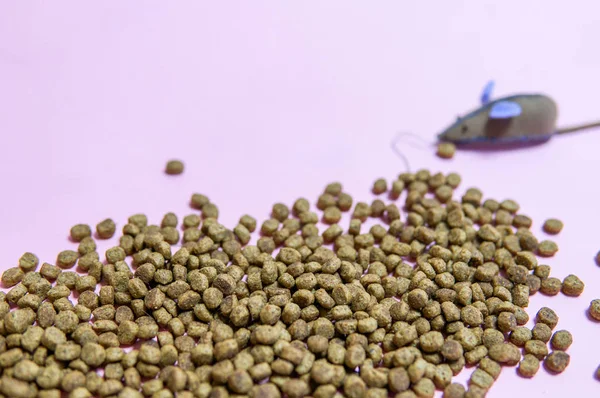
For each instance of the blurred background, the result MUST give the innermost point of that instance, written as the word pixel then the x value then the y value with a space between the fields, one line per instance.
pixel 267 101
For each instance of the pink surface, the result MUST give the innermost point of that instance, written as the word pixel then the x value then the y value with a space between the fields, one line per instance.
pixel 267 101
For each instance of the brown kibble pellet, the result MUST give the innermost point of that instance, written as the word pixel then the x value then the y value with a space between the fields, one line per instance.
pixel 454 390
pixel 280 212
pixel 197 201
pixel 505 353
pixel 541 332
pixel 28 262
pixel 334 188
pixel 547 248
pixel 210 211
pixel 548 316
pixel 12 276
pixel 553 226
pixel 355 356
pixel 537 348
pixel 67 258
pixel 551 286
pixel 452 350
pixel 529 366
pixel 557 361
pixel 80 231
pixel 594 309
pixel 431 342
pixel 332 215
pixel 446 150
pixel 106 229
pixel 507 322
pixel 379 186
pixel 344 202
pixel 93 354
pixel 240 381
pixel 174 167
pixel 520 336
pixel 26 370
pixel 572 286
pixel 481 379
pixel 561 340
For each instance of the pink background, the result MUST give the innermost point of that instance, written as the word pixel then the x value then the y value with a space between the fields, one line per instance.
pixel 266 101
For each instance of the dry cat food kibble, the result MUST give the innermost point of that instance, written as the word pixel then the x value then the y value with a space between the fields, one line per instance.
pixel 594 309
pixel 174 167
pixel 572 286
pixel 553 226
pixel 446 150
pixel 206 313
pixel 557 361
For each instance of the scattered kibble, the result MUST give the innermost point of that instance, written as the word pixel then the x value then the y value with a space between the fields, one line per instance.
pixel 174 167
pixel 557 361
pixel 296 312
pixel 551 286
pixel 572 286
pixel 106 229
pixel 380 186
pixel 561 340
pixel 547 248
pixel 529 366
pixel 446 150
pixel 553 226
pixel 594 309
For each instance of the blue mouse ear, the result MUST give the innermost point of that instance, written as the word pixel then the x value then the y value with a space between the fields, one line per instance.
pixel 505 110
pixel 487 92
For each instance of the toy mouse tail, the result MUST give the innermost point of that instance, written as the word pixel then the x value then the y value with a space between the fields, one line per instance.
pixel 400 154
pixel 578 127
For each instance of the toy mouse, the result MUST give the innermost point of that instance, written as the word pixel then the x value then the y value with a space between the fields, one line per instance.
pixel 512 119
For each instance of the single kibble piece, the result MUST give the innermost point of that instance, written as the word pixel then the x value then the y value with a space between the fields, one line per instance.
pixel 80 231
pixel 344 202
pixel 557 361
pixel 379 186
pixel 572 286
pixel 198 200
pixel 505 353
pixel 529 366
pixel 537 348
pixel 106 229
pixel 541 332
pixel 551 286
pixel 174 167
pixel 454 390
pixel 28 262
pixel 561 340
pixel 446 150
pixel 67 258
pixel 547 248
pixel 548 316
pixel 12 276
pixel 332 215
pixel 553 226
pixel 280 212
pixel 594 309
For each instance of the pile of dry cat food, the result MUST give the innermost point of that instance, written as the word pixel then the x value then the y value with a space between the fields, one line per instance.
pixel 437 284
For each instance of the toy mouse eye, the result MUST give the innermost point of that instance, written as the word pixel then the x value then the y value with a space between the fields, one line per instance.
pixel 464 129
